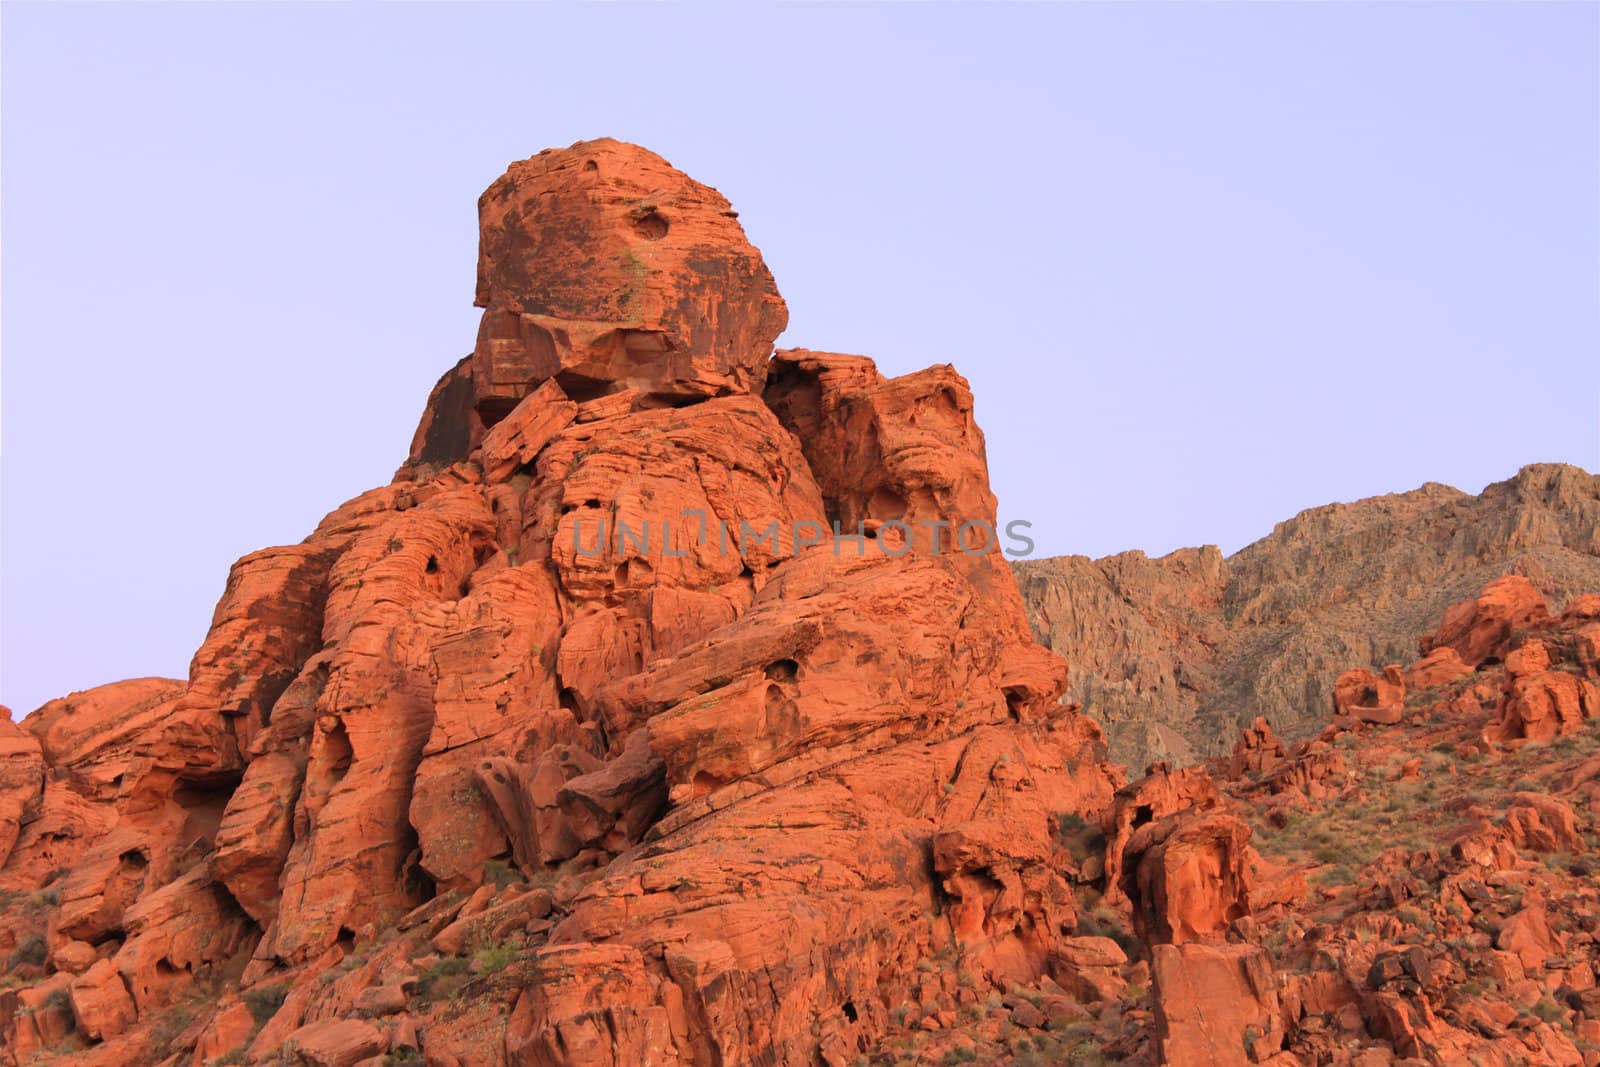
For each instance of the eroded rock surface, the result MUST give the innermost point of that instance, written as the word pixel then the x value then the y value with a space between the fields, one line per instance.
pixel 590 696
pixel 1175 655
pixel 671 706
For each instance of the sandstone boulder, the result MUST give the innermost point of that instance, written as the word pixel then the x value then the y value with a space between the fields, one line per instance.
pixel 1479 628
pixel 1366 697
pixel 602 267
pixel 1215 1004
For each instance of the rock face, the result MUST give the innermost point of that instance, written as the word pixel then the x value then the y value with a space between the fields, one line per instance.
pixel 649 685
pixel 675 706
pixel 1175 655
pixel 605 270
pixel 1413 888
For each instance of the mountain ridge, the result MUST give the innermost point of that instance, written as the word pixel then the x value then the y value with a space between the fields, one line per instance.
pixel 1219 637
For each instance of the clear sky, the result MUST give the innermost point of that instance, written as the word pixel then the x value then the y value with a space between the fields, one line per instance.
pixel 1205 265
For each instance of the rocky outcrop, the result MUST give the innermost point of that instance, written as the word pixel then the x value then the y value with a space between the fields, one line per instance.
pixel 1410 887
pixel 1175 655
pixel 21 781
pixel 674 705
pixel 682 686
pixel 603 269
pixel 1215 1004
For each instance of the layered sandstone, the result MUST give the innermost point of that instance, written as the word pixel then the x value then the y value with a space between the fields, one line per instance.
pixel 1175 655
pixel 587 714
pixel 605 271
pixel 671 707
pixel 1416 887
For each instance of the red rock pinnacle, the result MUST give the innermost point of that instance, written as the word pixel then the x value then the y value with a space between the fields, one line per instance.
pixel 603 267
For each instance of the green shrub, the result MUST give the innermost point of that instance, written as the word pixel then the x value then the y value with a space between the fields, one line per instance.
pixel 264 1001
pixel 442 978
pixel 30 950
pixel 1549 1010
pixel 492 959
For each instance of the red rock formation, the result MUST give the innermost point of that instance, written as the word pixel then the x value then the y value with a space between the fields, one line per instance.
pixel 1363 696
pixel 591 688
pixel 21 782
pixel 1439 667
pixel 605 270
pixel 1480 627
pixel 1215 1004
pixel 1191 878
pixel 591 740
pixel 1258 750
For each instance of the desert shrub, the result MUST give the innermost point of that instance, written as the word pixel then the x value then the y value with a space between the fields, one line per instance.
pixel 170 1024
pixel 1102 922
pixel 1548 1010
pixel 1414 917
pixel 1082 838
pixel 500 874
pixel 442 978
pixel 30 950
pixel 494 958
pixel 264 1001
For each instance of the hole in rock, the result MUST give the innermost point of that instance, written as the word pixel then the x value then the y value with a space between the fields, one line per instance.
pixel 203 802
pixel 492 409
pixel 652 401
pixel 795 396
pixel 590 166
pixel 418 884
pixel 581 388
pixel 1143 814
pixel 569 700
pixel 133 859
pixel 783 670
pixel 849 1009
pixel 651 225
pixel 1014 704
pixel 433 565
pixel 347 939
pixel 336 754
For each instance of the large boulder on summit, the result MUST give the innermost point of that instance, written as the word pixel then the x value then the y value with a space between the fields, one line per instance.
pixel 605 268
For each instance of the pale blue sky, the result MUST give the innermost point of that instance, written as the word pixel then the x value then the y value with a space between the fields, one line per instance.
pixel 1205 265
